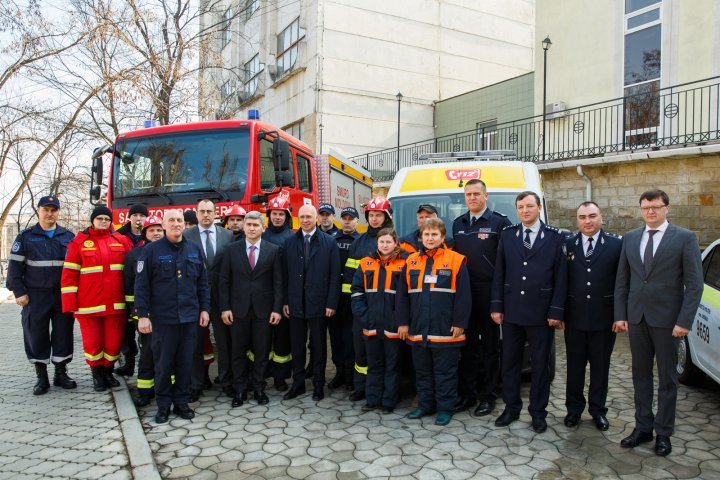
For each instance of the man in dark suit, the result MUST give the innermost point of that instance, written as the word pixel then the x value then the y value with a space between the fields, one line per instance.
pixel 593 256
pixel 528 300
pixel 312 280
pixel 657 292
pixel 212 239
pixel 250 298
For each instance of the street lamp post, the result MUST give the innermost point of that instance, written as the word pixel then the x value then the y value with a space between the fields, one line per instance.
pixel 399 97
pixel 546 46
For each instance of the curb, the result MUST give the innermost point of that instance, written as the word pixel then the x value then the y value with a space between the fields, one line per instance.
pixel 140 455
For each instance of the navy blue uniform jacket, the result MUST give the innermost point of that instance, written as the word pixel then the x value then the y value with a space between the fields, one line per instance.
pixel 171 282
pixel 310 291
pixel 530 286
pixel 479 243
pixel 591 282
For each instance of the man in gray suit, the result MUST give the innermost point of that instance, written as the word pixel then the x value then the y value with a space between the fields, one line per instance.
pixel 657 291
pixel 213 239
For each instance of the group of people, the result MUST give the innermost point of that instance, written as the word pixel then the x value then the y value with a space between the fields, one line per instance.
pixel 422 306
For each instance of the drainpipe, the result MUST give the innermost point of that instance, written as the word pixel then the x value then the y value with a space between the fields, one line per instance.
pixel 588 183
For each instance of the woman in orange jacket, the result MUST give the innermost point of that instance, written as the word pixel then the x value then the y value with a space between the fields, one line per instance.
pixel 92 287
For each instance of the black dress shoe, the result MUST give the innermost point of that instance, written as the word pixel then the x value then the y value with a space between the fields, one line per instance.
pixel 184 411
pixel 369 408
pixel 294 392
pixel 572 419
pixel 601 422
pixel 318 394
pixel 662 446
pixel 238 400
pixel 162 415
pixel 539 425
pixel 357 396
pixel 195 395
pixel 506 418
pixel 486 407
pixel 464 403
pixel 338 380
pixel 280 385
pixel 388 410
pixel 636 438
pixel 261 398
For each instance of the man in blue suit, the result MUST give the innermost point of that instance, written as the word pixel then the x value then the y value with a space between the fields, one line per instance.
pixel 593 256
pixel 528 300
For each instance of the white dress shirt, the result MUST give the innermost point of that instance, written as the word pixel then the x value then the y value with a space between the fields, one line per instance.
pixel 257 248
pixel 533 231
pixel 586 243
pixel 213 238
pixel 656 238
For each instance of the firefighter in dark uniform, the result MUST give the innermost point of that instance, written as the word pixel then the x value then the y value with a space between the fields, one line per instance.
pixel 34 267
pixel 326 219
pixel 528 300
pixel 432 314
pixel 279 229
pixel 476 234
pixel 133 229
pixel 593 258
pixel 233 221
pixel 340 327
pixel 151 232
pixel 378 215
pixel 172 296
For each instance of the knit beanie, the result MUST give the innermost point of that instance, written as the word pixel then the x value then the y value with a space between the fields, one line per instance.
pixel 138 208
pixel 190 216
pixel 100 210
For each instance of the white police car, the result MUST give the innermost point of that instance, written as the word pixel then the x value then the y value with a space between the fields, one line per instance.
pixel 699 353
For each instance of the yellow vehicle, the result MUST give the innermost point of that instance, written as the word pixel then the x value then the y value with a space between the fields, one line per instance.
pixel 440 181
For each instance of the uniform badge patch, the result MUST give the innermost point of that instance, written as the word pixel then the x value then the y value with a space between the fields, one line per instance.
pixel 88 244
pixel 140 265
pixel 16 247
pixel 483 236
pixel 413 262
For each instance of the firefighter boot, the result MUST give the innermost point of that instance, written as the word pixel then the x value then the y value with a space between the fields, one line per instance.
pixel 98 379
pixel 110 380
pixel 43 383
pixel 128 369
pixel 62 379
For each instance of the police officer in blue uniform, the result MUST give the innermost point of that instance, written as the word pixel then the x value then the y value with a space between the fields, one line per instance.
pixel 326 219
pixel 593 257
pixel 34 268
pixel 476 235
pixel 171 296
pixel 528 299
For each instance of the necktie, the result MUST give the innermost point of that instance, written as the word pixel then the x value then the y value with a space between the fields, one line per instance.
pixel 590 247
pixel 251 257
pixel 307 248
pixel 648 256
pixel 209 251
pixel 527 243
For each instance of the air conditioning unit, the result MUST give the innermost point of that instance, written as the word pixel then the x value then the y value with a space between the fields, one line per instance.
pixel 272 71
pixel 556 110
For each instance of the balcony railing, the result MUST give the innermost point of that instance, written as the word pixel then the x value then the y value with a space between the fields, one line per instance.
pixel 681 115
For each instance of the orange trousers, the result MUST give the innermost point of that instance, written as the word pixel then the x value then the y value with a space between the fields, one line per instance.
pixel 102 337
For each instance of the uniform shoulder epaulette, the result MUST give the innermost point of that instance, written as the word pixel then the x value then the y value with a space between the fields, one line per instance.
pixel 499 214
pixel 516 225
pixel 613 235
pixel 552 229
pixel 572 235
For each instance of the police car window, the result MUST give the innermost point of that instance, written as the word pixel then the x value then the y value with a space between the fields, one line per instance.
pixel 267 167
pixel 712 269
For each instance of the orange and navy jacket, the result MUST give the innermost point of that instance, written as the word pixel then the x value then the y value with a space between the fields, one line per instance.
pixel 92 276
pixel 434 297
pixel 374 294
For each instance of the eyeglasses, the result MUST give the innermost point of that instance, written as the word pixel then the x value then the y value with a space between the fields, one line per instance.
pixel 652 208
pixel 103 219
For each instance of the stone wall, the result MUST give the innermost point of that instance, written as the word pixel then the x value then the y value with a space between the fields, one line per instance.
pixel 691 182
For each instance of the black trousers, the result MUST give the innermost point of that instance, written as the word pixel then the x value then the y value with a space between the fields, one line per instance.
pixel 173 347
pixel 146 363
pixel 540 339
pixel 381 387
pixel 341 334
pixel 129 347
pixel 280 367
pixel 361 362
pixel 250 332
pixel 436 377
pixel 479 370
pixel 595 348
pixel 47 331
pixel 318 340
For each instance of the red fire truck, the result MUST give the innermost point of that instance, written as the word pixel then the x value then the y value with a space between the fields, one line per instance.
pixel 241 162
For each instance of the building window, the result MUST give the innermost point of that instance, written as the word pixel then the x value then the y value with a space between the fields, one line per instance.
pixel 225 91
pixel 226 33
pixel 297 130
pixel 252 74
pixel 250 7
pixel 487 135
pixel 642 70
pixel 287 46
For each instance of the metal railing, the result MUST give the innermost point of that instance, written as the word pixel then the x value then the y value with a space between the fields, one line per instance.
pixel 684 114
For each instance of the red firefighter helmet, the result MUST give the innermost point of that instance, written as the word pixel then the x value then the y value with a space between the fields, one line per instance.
pixel 150 221
pixel 281 202
pixel 235 211
pixel 379 204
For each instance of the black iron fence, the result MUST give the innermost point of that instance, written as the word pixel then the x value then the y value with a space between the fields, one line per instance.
pixel 685 114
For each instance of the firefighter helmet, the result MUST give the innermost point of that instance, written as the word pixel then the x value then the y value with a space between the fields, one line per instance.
pixel 150 221
pixel 280 203
pixel 234 211
pixel 379 204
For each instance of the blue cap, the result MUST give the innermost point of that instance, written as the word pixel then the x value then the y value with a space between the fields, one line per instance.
pixel 327 208
pixel 50 200
pixel 349 211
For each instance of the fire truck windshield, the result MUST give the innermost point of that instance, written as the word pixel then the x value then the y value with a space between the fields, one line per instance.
pixel 162 165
